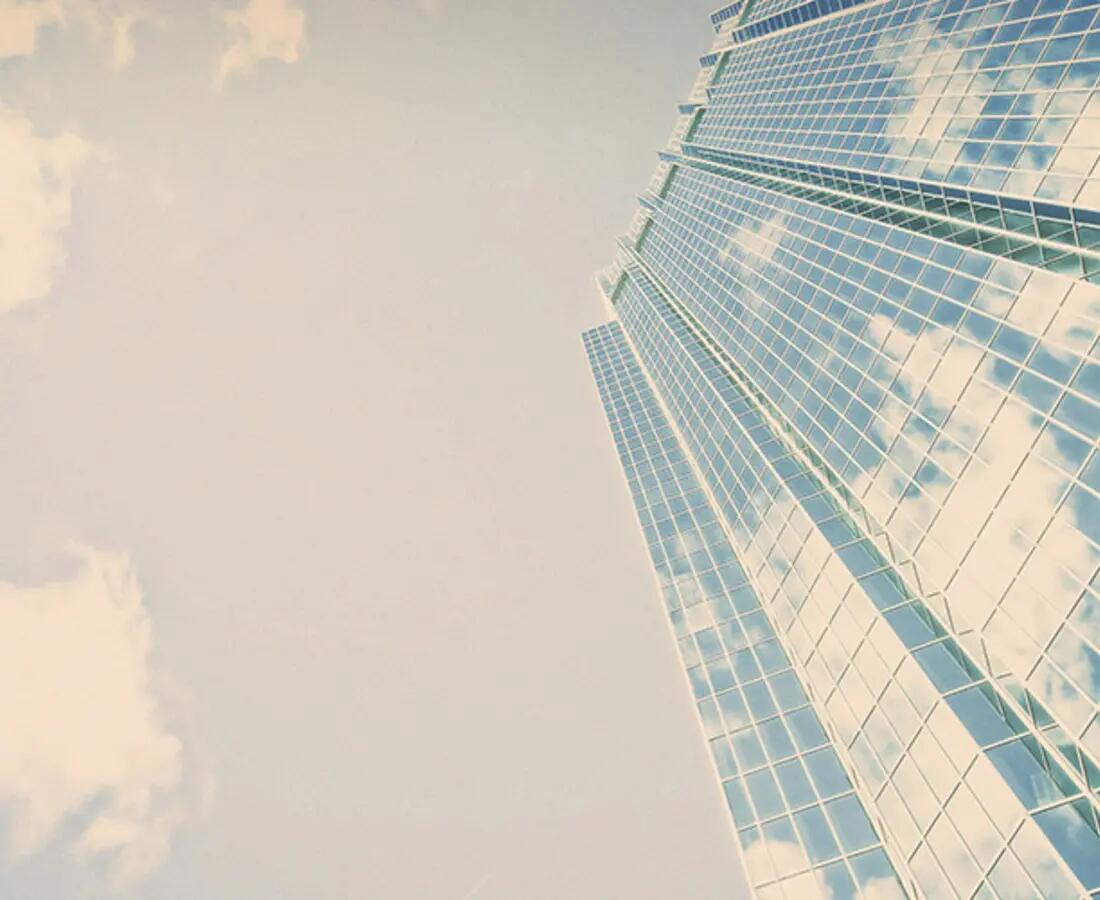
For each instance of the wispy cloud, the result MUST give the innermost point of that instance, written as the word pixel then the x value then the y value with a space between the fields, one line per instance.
pixel 756 241
pixel 36 181
pixel 263 29
pixel 109 23
pixel 20 21
pixel 81 721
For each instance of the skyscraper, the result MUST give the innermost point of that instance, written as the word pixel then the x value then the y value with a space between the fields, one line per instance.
pixel 854 383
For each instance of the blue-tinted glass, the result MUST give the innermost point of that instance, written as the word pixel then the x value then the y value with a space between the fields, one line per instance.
pixel 836 883
pixel 1028 778
pixel 1065 826
pixel 851 823
pixel 787 690
pixel 1086 505
pixel 1079 414
pixel 732 635
pixel 1077 657
pixel 816 836
pixel 1091 473
pixel 806 729
pixel 827 773
pixel 712 722
pixel 733 710
pixel 944 668
pixel 884 589
pixel 776 740
pixel 721 676
pixel 759 699
pixel 744 666
pixel 723 757
pixel 819 343
pixel 873 869
pixel 708 642
pixel 764 793
pixel 699 684
pixel 748 837
pixel 738 803
pixel 986 718
pixel 747 749
pixel 780 833
pixel 794 783
pixel 911 626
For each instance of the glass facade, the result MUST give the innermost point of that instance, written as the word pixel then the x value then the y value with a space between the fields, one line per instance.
pixel 854 382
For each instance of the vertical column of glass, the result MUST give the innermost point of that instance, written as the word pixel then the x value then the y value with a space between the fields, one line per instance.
pixel 802 829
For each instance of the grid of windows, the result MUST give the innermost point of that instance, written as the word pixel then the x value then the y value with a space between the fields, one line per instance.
pixel 815 568
pixel 800 823
pixel 766 16
pixel 865 381
pixel 732 11
pixel 1059 238
pixel 765 9
pixel 993 94
pixel 862 294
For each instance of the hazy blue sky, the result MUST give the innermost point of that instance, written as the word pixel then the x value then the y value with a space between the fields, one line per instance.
pixel 319 575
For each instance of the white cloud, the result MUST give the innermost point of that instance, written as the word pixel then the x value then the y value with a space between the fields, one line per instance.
pixel 882 889
pixel 20 21
pixel 122 41
pixel 108 22
pixel 999 554
pixel 765 858
pixel 264 29
pixel 36 181
pixel 111 25
pixel 80 718
pixel 756 240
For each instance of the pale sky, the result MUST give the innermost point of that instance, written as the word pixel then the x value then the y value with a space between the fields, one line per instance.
pixel 318 576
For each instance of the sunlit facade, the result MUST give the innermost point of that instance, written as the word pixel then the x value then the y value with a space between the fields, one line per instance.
pixel 854 382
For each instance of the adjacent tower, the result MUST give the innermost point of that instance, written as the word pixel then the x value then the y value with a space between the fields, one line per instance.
pixel 854 383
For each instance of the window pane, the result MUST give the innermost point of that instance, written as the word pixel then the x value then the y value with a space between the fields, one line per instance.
pixel 827 773
pixel 1028 779
pixel 851 823
pixel 1074 840
pixel 794 783
pixel 876 876
pixel 816 835
pixel 836 883
pixel 764 793
pixel 984 716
